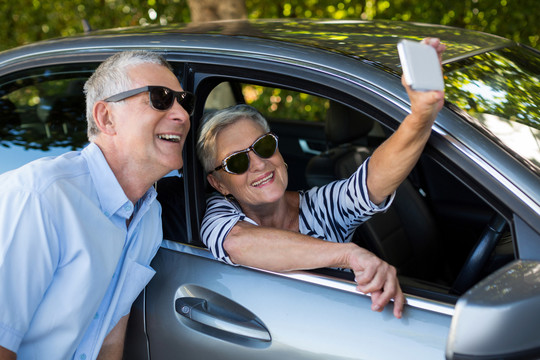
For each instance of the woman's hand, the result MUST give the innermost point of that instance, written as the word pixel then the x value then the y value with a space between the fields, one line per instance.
pixel 378 278
pixel 283 250
pixel 425 105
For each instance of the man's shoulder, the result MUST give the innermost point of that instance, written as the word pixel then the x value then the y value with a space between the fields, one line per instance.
pixel 42 173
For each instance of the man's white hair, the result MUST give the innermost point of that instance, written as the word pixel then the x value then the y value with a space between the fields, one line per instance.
pixel 112 77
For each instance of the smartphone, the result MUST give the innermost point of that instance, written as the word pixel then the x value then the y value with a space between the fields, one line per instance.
pixel 420 64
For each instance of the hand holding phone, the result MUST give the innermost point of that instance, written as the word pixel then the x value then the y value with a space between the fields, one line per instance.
pixel 421 66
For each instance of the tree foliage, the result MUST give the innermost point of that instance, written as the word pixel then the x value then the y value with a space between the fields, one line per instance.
pixel 26 21
pixel 208 10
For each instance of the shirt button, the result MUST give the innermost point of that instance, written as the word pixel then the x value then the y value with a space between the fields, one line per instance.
pixel 82 357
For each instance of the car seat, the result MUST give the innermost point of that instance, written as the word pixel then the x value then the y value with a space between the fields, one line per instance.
pixel 405 235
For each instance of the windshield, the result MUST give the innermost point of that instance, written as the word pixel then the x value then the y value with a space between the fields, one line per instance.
pixel 501 92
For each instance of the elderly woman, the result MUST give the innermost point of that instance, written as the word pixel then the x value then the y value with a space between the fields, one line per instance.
pixel 257 222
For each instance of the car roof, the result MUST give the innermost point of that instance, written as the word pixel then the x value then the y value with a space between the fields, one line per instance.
pixel 373 42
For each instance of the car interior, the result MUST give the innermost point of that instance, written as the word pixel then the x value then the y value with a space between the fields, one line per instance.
pixel 439 233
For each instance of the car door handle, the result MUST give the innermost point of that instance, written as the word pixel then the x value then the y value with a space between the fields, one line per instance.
pixel 200 311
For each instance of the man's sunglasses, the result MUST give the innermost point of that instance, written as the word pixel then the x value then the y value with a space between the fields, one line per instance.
pixel 238 162
pixel 161 97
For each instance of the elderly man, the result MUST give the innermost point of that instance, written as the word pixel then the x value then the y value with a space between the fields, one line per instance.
pixel 78 231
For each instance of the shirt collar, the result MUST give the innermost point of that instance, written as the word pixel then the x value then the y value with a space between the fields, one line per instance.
pixel 111 195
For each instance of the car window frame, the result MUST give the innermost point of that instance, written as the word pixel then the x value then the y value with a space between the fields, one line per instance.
pixel 220 69
pixel 395 106
pixel 202 72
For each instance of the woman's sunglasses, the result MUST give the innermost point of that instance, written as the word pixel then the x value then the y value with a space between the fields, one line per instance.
pixel 238 162
pixel 161 97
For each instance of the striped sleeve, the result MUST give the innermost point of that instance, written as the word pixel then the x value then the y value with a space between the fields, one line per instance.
pixel 220 217
pixel 332 212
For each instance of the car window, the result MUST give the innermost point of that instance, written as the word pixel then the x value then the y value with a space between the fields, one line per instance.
pixel 42 112
pixel 220 97
pixel 437 218
pixel 284 104
pixel 501 90
pixel 273 103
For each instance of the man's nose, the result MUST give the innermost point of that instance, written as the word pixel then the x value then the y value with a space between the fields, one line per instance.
pixel 180 114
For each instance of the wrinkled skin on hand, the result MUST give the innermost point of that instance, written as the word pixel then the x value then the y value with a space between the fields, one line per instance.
pixel 376 277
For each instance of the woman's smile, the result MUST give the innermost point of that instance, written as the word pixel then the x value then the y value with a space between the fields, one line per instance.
pixel 264 180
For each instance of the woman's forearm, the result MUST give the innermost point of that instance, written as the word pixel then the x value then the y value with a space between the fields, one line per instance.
pixel 282 250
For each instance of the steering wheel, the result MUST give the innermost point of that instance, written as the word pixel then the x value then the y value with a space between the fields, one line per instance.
pixel 478 257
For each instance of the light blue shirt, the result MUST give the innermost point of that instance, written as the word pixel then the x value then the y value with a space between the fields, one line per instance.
pixel 70 268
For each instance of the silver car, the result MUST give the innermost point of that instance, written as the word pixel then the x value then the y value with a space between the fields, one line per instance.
pixel 464 231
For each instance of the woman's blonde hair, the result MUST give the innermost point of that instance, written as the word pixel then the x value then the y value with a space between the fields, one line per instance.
pixel 215 122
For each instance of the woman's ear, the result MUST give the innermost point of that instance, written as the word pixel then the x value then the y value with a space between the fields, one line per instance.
pixel 103 118
pixel 216 184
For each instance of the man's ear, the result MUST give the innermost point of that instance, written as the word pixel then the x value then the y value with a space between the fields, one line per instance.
pixel 103 118
pixel 216 184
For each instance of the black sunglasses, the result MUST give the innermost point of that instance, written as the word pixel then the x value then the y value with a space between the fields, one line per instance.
pixel 161 97
pixel 238 162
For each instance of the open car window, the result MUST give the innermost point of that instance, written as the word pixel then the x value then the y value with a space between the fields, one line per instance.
pixel 437 218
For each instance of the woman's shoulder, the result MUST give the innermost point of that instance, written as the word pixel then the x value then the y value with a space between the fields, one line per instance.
pixel 217 201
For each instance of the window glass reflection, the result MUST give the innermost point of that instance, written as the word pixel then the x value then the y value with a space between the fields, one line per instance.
pixel 501 91
pixel 42 112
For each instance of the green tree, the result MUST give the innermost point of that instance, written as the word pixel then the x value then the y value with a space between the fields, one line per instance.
pixel 26 21
pixel 517 20
pixel 208 10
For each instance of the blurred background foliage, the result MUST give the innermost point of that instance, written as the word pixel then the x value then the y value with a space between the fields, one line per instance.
pixel 26 21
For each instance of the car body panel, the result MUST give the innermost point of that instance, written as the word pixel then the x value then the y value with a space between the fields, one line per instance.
pixel 509 296
pixel 296 313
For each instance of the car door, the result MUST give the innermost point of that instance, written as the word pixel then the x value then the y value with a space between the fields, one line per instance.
pixel 199 308
pixel 196 307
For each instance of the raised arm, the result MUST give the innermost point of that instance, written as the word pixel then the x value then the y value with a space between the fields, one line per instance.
pixel 392 162
pixel 283 250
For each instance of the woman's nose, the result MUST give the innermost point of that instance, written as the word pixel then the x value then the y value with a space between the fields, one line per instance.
pixel 255 162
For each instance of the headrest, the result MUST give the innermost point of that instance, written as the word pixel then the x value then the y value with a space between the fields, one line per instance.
pixel 344 124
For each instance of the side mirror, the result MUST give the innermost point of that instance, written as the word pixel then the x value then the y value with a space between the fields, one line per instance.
pixel 499 318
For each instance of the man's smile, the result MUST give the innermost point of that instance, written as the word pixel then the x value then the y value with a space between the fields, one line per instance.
pixel 170 137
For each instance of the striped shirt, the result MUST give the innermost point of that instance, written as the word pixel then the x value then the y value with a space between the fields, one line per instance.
pixel 331 212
